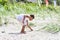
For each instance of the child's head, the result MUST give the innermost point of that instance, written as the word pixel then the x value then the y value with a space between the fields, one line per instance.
pixel 31 17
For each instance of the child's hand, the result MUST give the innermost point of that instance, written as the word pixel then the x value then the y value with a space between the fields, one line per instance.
pixel 31 29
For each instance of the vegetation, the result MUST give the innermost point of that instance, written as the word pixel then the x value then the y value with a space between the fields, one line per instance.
pixel 52 28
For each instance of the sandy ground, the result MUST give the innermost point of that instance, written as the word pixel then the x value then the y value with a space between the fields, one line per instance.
pixel 14 34
pixel 11 31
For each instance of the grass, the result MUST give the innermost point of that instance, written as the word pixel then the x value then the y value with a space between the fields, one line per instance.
pixel 52 28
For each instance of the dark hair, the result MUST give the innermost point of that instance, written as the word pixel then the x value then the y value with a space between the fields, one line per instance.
pixel 32 16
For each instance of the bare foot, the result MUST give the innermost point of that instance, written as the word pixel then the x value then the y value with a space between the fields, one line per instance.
pixel 23 32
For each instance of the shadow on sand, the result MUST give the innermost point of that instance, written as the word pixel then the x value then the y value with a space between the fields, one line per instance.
pixel 15 33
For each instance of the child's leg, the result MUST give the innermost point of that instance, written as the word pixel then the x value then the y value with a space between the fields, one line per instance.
pixel 22 30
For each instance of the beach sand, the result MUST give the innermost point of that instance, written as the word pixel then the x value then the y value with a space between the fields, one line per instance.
pixel 11 31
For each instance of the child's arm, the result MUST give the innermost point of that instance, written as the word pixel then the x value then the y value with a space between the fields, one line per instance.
pixel 23 19
pixel 29 26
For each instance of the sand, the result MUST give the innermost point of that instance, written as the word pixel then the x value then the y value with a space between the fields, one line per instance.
pixel 11 31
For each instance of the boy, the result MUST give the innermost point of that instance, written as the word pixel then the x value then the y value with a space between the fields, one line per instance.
pixel 24 20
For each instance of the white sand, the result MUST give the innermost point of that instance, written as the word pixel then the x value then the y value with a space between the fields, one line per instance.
pixel 12 32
